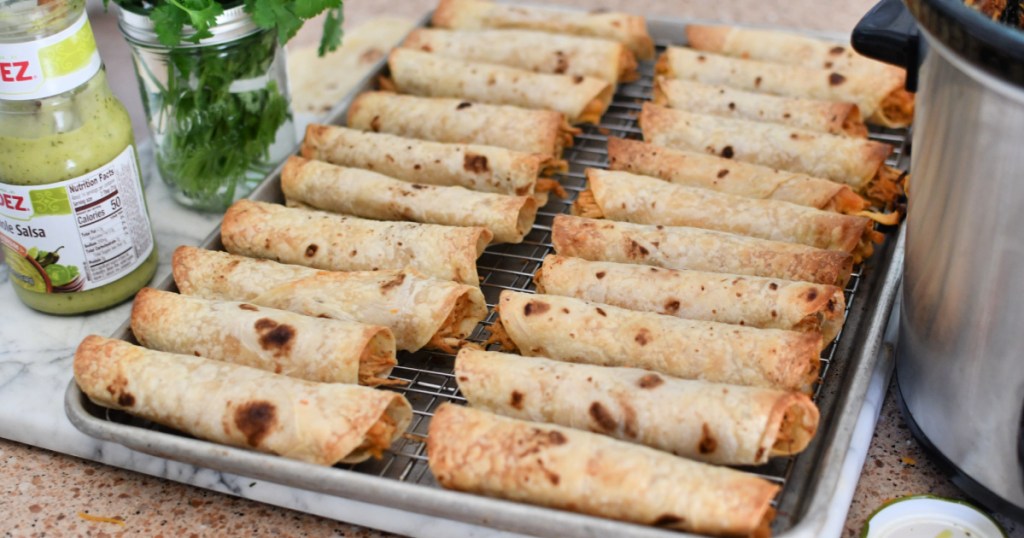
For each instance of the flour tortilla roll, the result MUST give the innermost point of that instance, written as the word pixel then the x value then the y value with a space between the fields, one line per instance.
pixel 480 452
pixel 323 423
pixel 731 176
pixel 769 303
pixel 885 102
pixel 855 162
pixel 630 30
pixel 823 116
pixel 363 193
pixel 572 330
pixel 677 247
pixel 419 311
pixel 341 243
pixel 646 200
pixel 457 121
pixel 581 99
pixel 533 51
pixel 473 166
pixel 323 350
pixel 692 419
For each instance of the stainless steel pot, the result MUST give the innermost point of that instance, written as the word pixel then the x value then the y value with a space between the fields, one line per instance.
pixel 960 362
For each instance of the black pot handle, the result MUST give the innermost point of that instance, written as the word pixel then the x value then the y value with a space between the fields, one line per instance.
pixel 889 33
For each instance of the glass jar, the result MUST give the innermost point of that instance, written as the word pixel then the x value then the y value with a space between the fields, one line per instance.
pixel 74 229
pixel 218 110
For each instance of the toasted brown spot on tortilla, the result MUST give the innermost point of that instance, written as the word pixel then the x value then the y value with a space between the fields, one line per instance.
pixel 757 82
pixel 576 79
pixel 727 152
pixel 732 106
pixel 474 163
pixel 311 250
pixel 773 286
pixel 643 337
pixel 723 172
pixel 556 438
pixel 760 452
pixel 668 520
pixel 249 307
pixel 599 275
pixel 255 420
pixel 601 311
pixel 464 104
pixel 812 294
pixel 650 381
pixel 602 417
pixel 836 79
pixel 274 335
pixel 836 50
pixel 516 400
pixel 636 250
pixel 393 283
pixel 375 124
pixel 708 444
pixel 672 307
pixel 535 307
pixel 701 58
pixel 125 399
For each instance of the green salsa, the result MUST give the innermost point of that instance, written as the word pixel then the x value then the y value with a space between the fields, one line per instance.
pixel 60 138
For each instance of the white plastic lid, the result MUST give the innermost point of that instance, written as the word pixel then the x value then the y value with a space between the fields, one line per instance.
pixel 927 516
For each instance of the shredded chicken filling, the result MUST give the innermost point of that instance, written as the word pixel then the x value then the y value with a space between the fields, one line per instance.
pixel 378 438
pixel 847 202
pixel 373 368
pixel 897 109
pixel 551 185
pixel 450 336
pixel 586 206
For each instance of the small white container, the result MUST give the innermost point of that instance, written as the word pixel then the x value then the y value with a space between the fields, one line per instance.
pixel 927 516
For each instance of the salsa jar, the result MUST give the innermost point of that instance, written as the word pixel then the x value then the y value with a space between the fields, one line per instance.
pixel 74 229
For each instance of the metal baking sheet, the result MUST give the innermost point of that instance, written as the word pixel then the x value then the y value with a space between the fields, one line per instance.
pixel 402 478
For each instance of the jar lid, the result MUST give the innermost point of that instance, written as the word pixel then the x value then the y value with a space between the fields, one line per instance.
pixel 927 516
pixel 234 23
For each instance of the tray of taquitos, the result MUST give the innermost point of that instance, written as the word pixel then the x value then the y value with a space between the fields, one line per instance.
pixel 401 479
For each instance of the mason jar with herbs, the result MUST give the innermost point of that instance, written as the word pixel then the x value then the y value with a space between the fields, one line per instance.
pixel 74 229
pixel 214 87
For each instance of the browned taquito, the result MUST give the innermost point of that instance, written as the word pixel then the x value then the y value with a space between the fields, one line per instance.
pixel 855 162
pixel 362 193
pixel 692 419
pixel 458 121
pixel 341 243
pixel 421 312
pixel 770 303
pixel 473 166
pixel 581 99
pixel 789 48
pixel 734 177
pixel 884 102
pixel 480 452
pixel 823 116
pixel 314 349
pixel 630 30
pixel 573 330
pixel 645 200
pixel 531 50
pixel 322 423
pixel 677 247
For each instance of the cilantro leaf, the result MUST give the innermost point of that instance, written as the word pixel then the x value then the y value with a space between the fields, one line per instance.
pixel 168 21
pixel 331 38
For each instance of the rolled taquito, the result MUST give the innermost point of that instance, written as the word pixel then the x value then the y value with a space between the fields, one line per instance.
pixel 314 349
pixel 789 48
pixel 533 51
pixel 734 177
pixel 679 247
pixel 458 121
pixel 883 102
pixel 323 423
pixel 629 197
pixel 480 452
pixel 419 311
pixel 473 166
pixel 342 243
pixel 813 115
pixel 770 303
pixel 581 99
pixel 693 419
pixel 855 162
pixel 362 193
pixel 630 30
pixel 573 330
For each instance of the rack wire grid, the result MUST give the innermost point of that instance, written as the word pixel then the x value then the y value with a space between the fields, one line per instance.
pixel 430 374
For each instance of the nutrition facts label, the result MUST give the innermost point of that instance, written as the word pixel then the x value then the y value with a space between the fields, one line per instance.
pixel 78 234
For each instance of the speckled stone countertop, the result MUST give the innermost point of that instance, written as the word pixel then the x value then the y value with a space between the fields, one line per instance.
pixel 48 494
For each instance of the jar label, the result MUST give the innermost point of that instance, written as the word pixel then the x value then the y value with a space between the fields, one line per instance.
pixel 77 234
pixel 51 65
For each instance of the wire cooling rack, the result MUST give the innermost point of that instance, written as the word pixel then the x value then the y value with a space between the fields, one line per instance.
pixel 430 374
